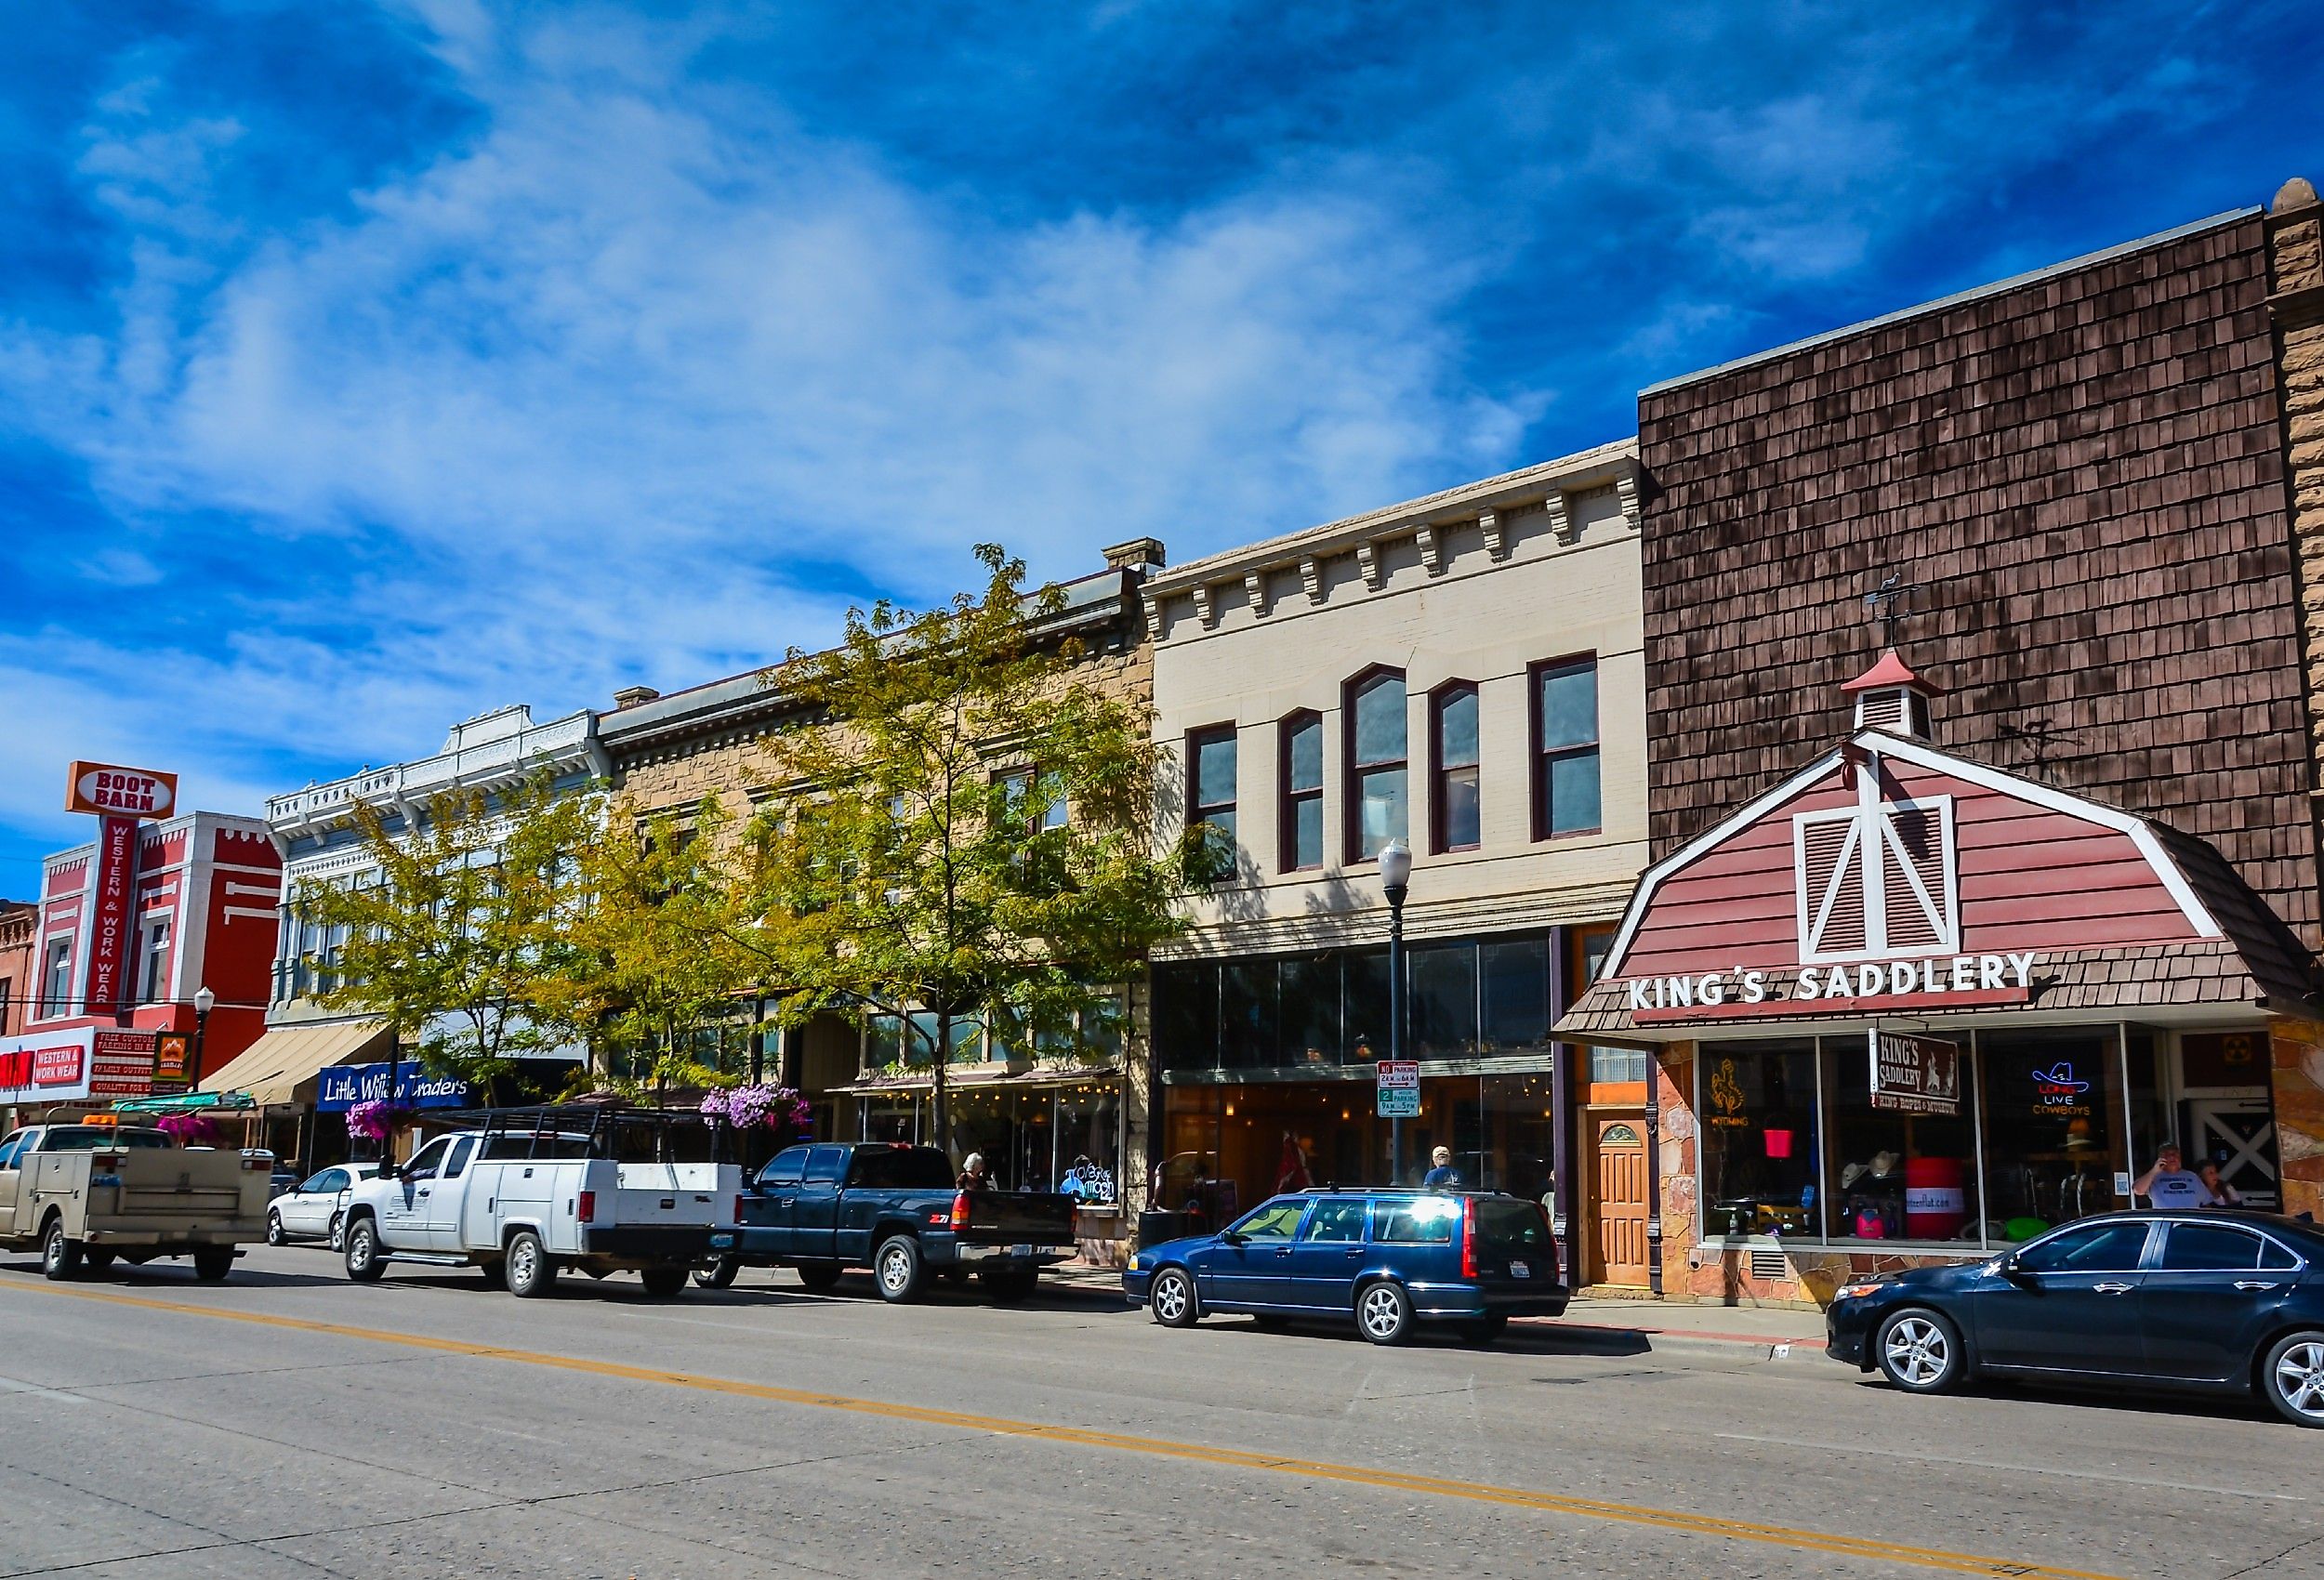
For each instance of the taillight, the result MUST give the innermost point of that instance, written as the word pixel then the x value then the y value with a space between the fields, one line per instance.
pixel 1467 1237
pixel 738 1209
pixel 257 1166
pixel 960 1212
pixel 589 1207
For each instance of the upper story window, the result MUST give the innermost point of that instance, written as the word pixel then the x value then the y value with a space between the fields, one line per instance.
pixel 1565 797
pixel 57 994
pixel 1210 786
pixel 154 984
pixel 1303 792
pixel 1378 763
pixel 1454 801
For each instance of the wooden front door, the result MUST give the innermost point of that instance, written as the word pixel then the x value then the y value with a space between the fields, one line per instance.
pixel 1618 1194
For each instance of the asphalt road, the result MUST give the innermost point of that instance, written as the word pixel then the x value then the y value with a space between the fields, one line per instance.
pixel 286 1423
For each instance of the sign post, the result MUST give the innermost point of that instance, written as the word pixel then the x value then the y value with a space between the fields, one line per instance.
pixel 1397 1094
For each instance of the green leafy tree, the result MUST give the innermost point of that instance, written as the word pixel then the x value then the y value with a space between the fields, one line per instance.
pixel 967 828
pixel 658 952
pixel 464 916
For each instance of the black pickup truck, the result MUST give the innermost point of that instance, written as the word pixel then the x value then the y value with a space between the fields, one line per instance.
pixel 893 1208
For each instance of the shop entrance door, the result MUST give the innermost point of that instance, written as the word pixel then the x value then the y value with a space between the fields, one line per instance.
pixel 2239 1134
pixel 1618 1249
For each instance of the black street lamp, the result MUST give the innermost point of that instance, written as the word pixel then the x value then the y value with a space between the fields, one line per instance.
pixel 1396 875
pixel 203 1001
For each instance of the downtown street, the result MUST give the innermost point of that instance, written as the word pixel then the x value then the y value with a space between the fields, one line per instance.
pixel 286 1423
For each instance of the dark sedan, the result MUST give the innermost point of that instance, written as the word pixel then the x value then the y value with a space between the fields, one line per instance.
pixel 2216 1301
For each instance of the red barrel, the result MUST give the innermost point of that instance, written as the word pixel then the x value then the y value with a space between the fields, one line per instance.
pixel 1934 1204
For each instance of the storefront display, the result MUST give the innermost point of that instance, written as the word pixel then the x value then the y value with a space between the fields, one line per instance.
pixel 1909 1006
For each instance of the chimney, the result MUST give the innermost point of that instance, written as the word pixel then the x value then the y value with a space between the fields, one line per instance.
pixel 1137 555
pixel 1891 698
pixel 631 696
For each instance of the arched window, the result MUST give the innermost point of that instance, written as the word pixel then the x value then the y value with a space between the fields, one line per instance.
pixel 1454 807
pixel 1303 756
pixel 1378 763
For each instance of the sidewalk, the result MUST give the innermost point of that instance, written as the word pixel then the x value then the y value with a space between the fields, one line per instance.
pixel 1778 1332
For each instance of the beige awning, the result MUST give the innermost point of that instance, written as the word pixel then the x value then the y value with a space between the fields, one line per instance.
pixel 280 1066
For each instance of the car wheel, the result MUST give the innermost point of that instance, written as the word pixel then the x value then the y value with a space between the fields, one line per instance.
pixel 896 1268
pixel 365 1264
pixel 662 1282
pixel 1920 1351
pixel 2292 1377
pixel 274 1235
pixel 1384 1313
pixel 720 1274
pixel 60 1254
pixel 212 1263
pixel 531 1272
pixel 821 1277
pixel 1172 1298
pixel 337 1239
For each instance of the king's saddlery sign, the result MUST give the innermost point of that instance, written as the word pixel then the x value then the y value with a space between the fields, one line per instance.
pixel 1939 981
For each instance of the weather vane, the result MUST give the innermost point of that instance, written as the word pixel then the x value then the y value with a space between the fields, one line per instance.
pixel 1884 603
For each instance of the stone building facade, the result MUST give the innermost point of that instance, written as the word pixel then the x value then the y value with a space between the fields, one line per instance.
pixel 1462 671
pixel 1032 1116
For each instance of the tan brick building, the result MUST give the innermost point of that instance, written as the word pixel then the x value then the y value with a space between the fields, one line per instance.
pixel 1032 1114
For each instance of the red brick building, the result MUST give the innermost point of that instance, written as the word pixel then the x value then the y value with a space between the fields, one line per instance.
pixel 202 912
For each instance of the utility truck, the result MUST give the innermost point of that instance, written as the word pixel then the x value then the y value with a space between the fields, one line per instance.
pixel 88 1193
pixel 526 1194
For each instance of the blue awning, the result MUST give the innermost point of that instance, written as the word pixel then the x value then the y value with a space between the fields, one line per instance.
pixel 344 1086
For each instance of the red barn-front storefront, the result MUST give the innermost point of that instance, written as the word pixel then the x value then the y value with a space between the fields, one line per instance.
pixel 1906 1007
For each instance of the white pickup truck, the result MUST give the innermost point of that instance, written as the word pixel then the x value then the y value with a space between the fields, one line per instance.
pixel 531 1192
pixel 92 1192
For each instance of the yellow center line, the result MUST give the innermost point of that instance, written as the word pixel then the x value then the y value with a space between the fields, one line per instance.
pixel 1312 1469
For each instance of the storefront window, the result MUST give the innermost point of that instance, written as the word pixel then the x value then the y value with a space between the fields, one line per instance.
pixel 1363 984
pixel 1089 1145
pixel 1516 977
pixel 1443 1007
pixel 1248 1004
pixel 1309 987
pixel 1757 1116
pixel 1186 1016
pixel 2053 1105
pixel 1893 1174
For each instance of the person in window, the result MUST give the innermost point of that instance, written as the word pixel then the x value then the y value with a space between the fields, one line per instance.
pixel 2222 1193
pixel 1292 1173
pixel 2170 1184
pixel 973 1176
pixel 1444 1176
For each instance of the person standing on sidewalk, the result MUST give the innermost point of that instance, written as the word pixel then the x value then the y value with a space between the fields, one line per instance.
pixel 1444 1176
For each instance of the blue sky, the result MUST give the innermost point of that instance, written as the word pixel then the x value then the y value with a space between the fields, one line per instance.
pixel 366 367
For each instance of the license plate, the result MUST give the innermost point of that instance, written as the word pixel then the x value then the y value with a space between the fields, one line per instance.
pixel 1020 1250
pixel 721 1242
pixel 1519 1270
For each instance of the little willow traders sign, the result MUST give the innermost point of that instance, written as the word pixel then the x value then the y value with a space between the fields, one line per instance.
pixel 1913 1075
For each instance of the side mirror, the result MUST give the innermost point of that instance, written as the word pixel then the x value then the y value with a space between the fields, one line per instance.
pixel 388 1169
pixel 2010 1266
pixel 1229 1237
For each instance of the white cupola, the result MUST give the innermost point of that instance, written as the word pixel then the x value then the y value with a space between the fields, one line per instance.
pixel 1891 698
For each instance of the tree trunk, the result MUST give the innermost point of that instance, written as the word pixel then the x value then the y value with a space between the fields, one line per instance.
pixel 942 1098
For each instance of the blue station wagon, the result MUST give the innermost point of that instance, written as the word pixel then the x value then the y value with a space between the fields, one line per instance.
pixel 1384 1259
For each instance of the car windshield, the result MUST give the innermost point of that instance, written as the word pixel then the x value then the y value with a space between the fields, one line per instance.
pixel 100 1138
pixel 1272 1220
pixel 900 1168
pixel 1513 1226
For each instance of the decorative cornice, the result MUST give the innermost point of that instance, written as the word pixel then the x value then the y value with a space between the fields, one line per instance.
pixel 1431 548
pixel 1561 520
pixel 1312 578
pixel 1205 610
pixel 1626 490
pixel 1496 541
pixel 1367 560
pixel 1154 613
pixel 1254 591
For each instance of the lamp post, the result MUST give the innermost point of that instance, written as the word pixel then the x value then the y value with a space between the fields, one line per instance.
pixel 203 1001
pixel 1395 875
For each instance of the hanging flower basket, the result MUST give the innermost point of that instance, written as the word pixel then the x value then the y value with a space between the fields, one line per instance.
pixel 378 1119
pixel 779 1108
pixel 191 1130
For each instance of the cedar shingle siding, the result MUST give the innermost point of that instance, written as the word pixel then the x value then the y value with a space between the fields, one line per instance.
pixel 2084 476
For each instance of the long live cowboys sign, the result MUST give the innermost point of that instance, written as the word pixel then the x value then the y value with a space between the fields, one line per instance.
pixel 1940 981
